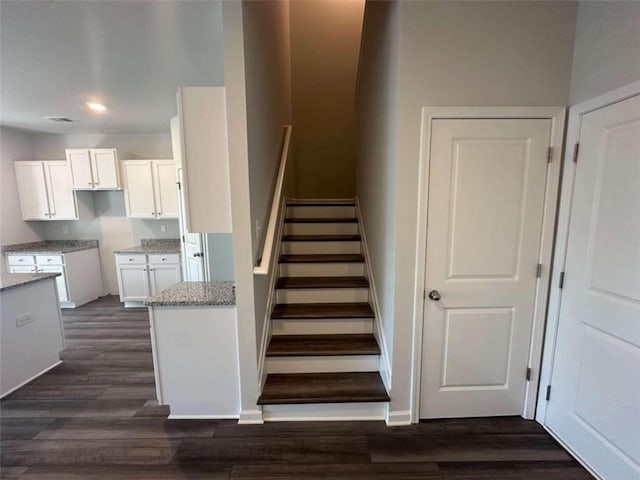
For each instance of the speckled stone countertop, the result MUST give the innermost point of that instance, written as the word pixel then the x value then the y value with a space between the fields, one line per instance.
pixel 154 245
pixel 49 247
pixel 13 280
pixel 194 293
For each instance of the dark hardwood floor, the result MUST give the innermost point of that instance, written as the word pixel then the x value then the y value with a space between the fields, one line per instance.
pixel 93 418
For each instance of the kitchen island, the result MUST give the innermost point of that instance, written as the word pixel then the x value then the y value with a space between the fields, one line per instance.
pixel 31 335
pixel 195 349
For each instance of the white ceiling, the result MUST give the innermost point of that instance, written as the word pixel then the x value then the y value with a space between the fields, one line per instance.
pixel 130 55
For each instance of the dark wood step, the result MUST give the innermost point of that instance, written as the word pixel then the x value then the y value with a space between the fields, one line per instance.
pixel 322 282
pixel 320 203
pixel 323 388
pixel 322 345
pixel 323 258
pixel 321 310
pixel 321 238
pixel 322 220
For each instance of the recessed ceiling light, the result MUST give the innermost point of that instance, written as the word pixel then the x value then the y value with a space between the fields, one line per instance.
pixel 96 107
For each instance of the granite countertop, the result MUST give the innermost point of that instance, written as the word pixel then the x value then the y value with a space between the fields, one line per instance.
pixel 49 247
pixel 13 280
pixel 154 245
pixel 194 293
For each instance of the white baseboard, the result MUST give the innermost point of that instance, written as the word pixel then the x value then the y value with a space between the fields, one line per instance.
pixel 397 419
pixel 251 417
pixel 31 379
pixel 336 412
pixel 201 417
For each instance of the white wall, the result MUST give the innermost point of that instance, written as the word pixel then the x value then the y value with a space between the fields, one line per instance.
pixel 268 94
pixel 109 224
pixel 459 53
pixel 14 145
pixel 375 173
pixel 607 48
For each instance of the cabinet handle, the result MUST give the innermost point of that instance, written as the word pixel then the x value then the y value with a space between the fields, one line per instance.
pixel 89 183
pixel 97 183
pixel 21 260
pixel 48 259
pixel 151 269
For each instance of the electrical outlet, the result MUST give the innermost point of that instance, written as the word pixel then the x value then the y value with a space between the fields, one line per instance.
pixel 65 229
pixel 258 229
pixel 163 228
pixel 22 320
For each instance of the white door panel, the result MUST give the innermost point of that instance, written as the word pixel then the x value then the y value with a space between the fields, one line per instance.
pixel 32 190
pixel 139 197
pixel 162 277
pixel 80 166
pixel 486 201
pixel 62 200
pixel 192 245
pixel 165 188
pixel 104 162
pixel 595 400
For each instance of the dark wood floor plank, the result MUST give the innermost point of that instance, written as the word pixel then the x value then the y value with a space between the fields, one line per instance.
pixel 321 220
pixel 305 429
pixel 321 238
pixel 323 258
pixel 568 470
pixel 322 282
pixel 22 428
pixel 330 471
pixel 322 310
pixel 306 345
pixel 130 472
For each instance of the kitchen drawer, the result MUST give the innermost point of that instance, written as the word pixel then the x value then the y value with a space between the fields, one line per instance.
pixel 132 259
pixel 162 259
pixel 21 260
pixel 49 260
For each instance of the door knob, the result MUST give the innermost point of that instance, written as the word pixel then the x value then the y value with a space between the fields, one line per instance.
pixel 435 295
pixel 197 255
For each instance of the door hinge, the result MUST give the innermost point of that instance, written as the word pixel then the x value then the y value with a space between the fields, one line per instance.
pixel 528 374
pixel 561 282
pixel 424 294
pixel 539 270
pixel 576 148
pixel 550 157
pixel 183 239
pixel 548 396
pixel 179 185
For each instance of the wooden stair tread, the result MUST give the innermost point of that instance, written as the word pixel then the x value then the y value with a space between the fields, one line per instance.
pixel 321 310
pixel 321 220
pixel 319 203
pixel 323 345
pixel 321 238
pixel 322 282
pixel 323 388
pixel 323 258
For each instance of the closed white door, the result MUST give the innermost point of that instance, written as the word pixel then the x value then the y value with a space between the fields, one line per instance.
pixel 192 246
pixel 594 403
pixel 62 199
pixel 80 166
pixel 486 199
pixel 134 282
pixel 60 279
pixel 138 189
pixel 165 188
pixel 104 163
pixel 162 277
pixel 32 190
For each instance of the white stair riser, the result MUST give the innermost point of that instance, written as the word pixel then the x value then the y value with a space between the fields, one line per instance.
pixel 292 248
pixel 325 411
pixel 322 295
pixel 320 228
pixel 321 269
pixel 323 364
pixel 319 212
pixel 321 326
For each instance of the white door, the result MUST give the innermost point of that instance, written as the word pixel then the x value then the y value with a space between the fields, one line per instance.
pixel 594 404
pixel 32 190
pixel 486 199
pixel 165 188
pixel 162 277
pixel 104 162
pixel 138 189
pixel 80 166
pixel 192 246
pixel 60 189
pixel 134 283
pixel 60 279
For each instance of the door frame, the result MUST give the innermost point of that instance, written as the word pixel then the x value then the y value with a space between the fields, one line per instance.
pixel 564 217
pixel 429 114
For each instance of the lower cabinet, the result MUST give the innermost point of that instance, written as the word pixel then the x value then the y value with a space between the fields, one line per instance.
pixel 141 275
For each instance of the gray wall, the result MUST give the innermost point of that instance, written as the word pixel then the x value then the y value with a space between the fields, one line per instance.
pixel 267 57
pixel 607 48
pixel 457 53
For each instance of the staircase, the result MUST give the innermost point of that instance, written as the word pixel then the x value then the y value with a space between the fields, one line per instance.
pixel 323 358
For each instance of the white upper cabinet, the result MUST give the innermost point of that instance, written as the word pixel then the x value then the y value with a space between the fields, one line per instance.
pixel 202 139
pixel 94 168
pixel 150 188
pixel 44 190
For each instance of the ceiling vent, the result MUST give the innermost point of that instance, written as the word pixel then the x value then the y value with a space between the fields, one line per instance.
pixel 59 119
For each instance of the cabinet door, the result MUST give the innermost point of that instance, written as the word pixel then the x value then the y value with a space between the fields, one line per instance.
pixel 134 283
pixel 166 188
pixel 60 279
pixel 32 190
pixel 162 277
pixel 138 189
pixel 104 162
pixel 62 199
pixel 80 166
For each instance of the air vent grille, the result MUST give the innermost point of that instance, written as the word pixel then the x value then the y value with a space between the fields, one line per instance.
pixel 59 119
